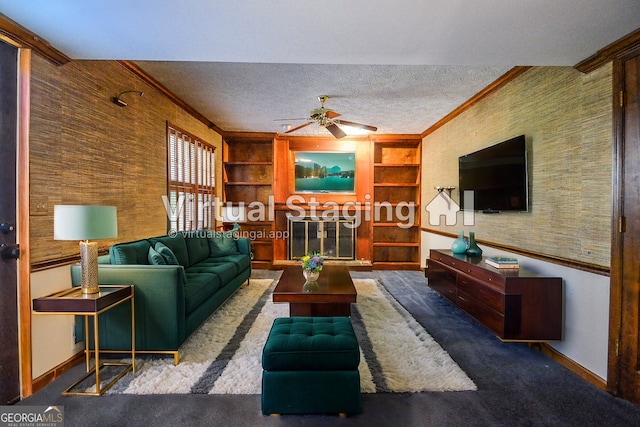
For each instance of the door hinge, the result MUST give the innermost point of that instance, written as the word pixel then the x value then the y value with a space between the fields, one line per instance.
pixel 622 224
pixel 6 228
pixel 621 99
pixel 9 251
pixel 617 348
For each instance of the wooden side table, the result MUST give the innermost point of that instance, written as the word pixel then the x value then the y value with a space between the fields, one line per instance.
pixel 74 302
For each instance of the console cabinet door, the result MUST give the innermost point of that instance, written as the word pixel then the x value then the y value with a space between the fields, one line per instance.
pixel 442 279
pixel 490 318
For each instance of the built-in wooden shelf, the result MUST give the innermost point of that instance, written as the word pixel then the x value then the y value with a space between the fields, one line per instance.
pixel 248 163
pixel 393 224
pixel 248 183
pixel 248 177
pixel 397 165
pixel 394 169
pixel 397 244
pixel 395 184
pixel 396 181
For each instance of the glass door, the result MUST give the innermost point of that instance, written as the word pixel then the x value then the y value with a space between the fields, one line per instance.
pixel 331 239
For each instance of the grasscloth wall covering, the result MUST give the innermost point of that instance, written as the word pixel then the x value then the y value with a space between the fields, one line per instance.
pixel 86 150
pixel 567 119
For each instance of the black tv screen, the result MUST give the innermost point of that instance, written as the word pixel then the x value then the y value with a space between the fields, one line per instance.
pixel 497 175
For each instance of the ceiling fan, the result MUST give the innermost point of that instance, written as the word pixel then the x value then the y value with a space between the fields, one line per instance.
pixel 328 119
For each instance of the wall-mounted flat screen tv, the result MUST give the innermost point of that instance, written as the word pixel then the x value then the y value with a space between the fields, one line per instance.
pixel 498 177
pixel 324 172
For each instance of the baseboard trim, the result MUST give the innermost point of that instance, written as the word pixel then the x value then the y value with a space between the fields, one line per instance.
pixel 574 367
pixel 47 377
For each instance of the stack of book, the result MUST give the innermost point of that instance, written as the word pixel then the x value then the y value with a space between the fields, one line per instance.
pixel 502 262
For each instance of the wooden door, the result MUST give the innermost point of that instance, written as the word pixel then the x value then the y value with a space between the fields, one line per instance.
pixel 9 354
pixel 624 349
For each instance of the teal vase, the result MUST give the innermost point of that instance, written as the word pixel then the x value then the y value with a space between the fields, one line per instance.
pixel 474 250
pixel 459 246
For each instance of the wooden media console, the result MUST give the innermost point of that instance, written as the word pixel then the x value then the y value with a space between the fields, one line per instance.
pixel 515 304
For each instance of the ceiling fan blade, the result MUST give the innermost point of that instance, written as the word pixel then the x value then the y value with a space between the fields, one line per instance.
pixel 335 130
pixel 299 127
pixel 332 114
pixel 357 125
pixel 286 120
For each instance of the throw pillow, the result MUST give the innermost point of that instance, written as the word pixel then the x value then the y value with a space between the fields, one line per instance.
pixel 155 258
pixel 167 254
pixel 221 246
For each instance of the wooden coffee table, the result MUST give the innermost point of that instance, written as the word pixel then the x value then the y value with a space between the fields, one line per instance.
pixel 332 296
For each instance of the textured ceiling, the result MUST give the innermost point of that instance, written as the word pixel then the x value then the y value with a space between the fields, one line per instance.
pixel 250 97
pixel 400 65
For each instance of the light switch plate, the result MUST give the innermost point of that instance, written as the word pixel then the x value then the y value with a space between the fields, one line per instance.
pixel 38 205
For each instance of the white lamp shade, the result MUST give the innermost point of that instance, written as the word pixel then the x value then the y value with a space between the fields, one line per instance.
pixel 83 222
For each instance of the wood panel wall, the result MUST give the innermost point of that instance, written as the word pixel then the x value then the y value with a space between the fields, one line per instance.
pixel 85 149
pixel 567 119
pixel 283 184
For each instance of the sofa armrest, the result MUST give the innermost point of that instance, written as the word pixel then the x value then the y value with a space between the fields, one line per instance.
pixel 244 245
pixel 159 306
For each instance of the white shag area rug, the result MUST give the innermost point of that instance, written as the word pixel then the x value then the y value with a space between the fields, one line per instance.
pixel 224 355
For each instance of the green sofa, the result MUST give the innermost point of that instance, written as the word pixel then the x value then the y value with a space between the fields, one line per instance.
pixel 179 282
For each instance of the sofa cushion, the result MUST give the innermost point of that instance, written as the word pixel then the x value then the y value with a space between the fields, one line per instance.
pixel 221 246
pixel 241 261
pixel 167 254
pixel 226 271
pixel 197 247
pixel 177 245
pixel 155 258
pixel 130 253
pixel 198 288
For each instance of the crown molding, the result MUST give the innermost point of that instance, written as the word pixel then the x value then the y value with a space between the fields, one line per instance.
pixel 497 84
pixel 19 36
pixel 610 52
pixel 135 69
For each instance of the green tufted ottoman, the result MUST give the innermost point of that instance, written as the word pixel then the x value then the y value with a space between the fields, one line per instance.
pixel 310 366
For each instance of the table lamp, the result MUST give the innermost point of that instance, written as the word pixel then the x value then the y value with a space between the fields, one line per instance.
pixel 84 223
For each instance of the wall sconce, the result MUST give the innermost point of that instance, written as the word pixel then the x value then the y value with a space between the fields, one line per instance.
pixel 440 189
pixel 121 103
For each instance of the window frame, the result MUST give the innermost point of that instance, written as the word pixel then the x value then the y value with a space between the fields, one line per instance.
pixel 191 181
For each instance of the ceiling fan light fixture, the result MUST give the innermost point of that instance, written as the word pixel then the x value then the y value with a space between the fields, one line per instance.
pixel 354 131
pixel 328 119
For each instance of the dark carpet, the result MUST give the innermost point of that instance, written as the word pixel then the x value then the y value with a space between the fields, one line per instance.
pixel 517 385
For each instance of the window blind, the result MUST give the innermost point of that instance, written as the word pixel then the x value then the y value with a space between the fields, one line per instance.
pixel 191 181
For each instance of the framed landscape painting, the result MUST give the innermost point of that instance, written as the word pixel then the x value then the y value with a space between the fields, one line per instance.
pixel 324 172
